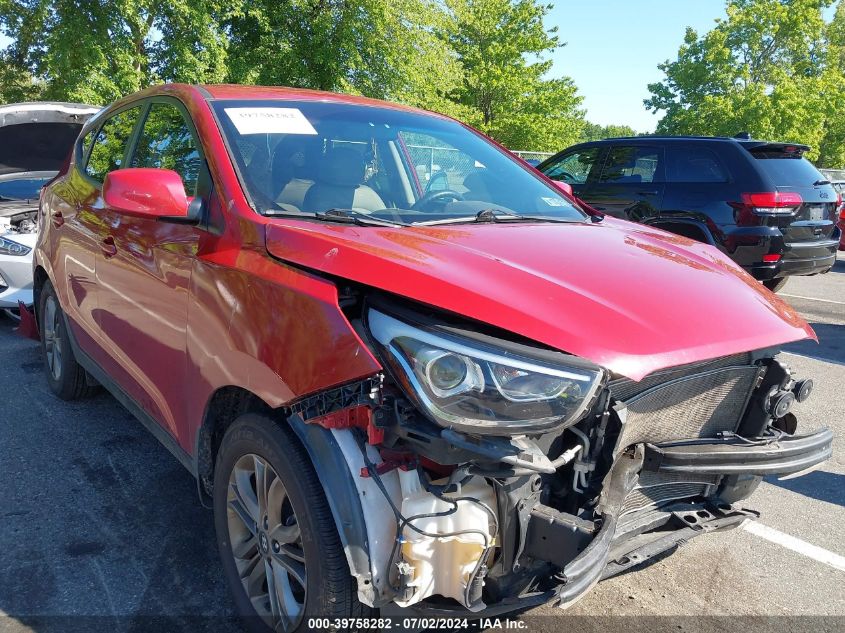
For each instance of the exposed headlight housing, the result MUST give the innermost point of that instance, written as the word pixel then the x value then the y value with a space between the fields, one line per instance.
pixel 10 247
pixel 479 387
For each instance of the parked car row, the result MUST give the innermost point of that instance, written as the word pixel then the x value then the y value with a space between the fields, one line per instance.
pixel 461 394
pixel 761 203
pixel 35 139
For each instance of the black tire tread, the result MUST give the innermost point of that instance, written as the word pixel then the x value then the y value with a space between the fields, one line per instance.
pixel 776 284
pixel 74 382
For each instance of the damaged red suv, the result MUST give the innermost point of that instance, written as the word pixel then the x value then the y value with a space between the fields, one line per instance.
pixel 406 369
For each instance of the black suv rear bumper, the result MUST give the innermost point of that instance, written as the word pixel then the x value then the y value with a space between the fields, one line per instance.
pixel 797 258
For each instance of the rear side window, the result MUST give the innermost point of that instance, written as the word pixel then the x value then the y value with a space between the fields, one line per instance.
pixel 166 142
pixel 573 168
pixel 694 164
pixel 110 144
pixel 627 164
pixel 786 166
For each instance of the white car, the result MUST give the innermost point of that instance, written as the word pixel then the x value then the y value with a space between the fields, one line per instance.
pixel 35 139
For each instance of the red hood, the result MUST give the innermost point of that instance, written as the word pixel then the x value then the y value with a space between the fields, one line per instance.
pixel 627 297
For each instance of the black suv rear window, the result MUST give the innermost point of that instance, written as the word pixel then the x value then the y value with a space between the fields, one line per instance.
pixel 786 166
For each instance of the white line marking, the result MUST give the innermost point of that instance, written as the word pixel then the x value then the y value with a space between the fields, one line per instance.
pixel 839 303
pixel 795 544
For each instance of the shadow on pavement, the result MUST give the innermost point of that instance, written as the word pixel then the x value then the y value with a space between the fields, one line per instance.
pixel 830 348
pixel 839 266
pixel 819 484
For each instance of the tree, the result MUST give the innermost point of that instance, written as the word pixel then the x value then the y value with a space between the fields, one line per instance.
pixel 386 49
pixel 765 69
pixel 595 132
pixel 832 150
pixel 95 52
pixel 500 45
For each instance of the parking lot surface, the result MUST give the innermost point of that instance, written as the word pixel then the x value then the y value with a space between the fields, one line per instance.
pixel 99 520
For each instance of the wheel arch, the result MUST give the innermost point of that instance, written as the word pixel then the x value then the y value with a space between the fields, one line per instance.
pixel 324 451
pixel 693 229
pixel 39 278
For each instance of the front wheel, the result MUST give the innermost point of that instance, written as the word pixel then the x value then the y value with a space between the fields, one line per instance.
pixel 775 284
pixel 281 553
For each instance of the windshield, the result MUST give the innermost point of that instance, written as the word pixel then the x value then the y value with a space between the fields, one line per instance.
pixel 22 189
pixel 306 158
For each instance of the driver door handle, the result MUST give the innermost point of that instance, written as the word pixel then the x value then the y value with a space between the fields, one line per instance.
pixel 108 247
pixel 648 192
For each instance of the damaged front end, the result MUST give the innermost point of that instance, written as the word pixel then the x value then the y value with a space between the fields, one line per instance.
pixel 495 475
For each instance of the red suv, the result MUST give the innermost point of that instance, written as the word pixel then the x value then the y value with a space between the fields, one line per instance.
pixel 406 369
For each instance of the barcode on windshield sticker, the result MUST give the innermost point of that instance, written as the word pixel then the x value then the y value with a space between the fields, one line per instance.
pixel 269 121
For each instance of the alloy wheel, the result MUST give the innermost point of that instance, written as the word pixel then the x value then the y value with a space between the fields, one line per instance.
pixel 52 337
pixel 266 543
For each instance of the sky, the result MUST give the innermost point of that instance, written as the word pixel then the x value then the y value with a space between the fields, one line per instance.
pixel 614 46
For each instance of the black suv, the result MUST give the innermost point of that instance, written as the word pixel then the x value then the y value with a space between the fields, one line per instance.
pixel 762 203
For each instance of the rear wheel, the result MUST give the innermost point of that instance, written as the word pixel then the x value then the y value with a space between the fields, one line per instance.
pixel 775 284
pixel 67 379
pixel 281 553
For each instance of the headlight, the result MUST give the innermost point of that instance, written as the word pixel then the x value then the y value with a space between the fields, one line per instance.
pixel 480 387
pixel 9 247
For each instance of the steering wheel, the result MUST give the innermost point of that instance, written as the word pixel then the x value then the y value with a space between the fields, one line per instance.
pixel 441 197
pixel 566 177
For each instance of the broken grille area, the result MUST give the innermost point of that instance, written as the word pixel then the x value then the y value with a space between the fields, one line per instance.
pixel 654 489
pixel 702 404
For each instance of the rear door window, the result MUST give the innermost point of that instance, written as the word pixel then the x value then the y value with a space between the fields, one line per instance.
pixel 629 164
pixel 694 164
pixel 574 168
pixel 110 145
pixel 166 142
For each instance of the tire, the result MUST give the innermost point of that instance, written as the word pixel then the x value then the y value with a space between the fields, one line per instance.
pixel 775 284
pixel 67 379
pixel 299 515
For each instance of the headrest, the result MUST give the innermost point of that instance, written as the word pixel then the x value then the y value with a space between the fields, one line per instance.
pixel 479 180
pixel 342 166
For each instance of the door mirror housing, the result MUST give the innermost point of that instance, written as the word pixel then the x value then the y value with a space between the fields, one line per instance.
pixel 565 187
pixel 148 192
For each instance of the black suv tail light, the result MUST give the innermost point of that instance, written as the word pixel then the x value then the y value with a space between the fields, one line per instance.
pixel 755 205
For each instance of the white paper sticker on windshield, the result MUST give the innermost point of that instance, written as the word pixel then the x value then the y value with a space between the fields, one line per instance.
pixel 555 202
pixel 270 121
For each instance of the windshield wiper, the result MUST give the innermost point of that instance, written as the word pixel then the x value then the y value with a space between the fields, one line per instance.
pixel 495 215
pixel 355 217
pixel 350 216
pixel 820 182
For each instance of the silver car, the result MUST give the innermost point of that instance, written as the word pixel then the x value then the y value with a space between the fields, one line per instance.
pixel 35 139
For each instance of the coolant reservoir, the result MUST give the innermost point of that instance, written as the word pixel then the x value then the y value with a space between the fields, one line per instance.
pixel 443 566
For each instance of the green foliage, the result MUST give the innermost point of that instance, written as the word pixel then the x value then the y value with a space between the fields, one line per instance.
pixel 595 132
pixel 481 61
pixel 96 52
pixel 500 46
pixel 771 68
pixel 385 49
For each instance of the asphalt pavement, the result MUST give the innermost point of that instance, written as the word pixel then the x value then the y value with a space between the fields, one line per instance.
pixel 101 528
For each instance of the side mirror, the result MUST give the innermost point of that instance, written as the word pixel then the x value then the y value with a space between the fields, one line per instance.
pixel 565 187
pixel 147 192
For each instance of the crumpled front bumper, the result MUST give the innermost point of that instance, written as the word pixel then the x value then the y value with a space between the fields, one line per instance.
pixel 782 455
pixel 758 456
